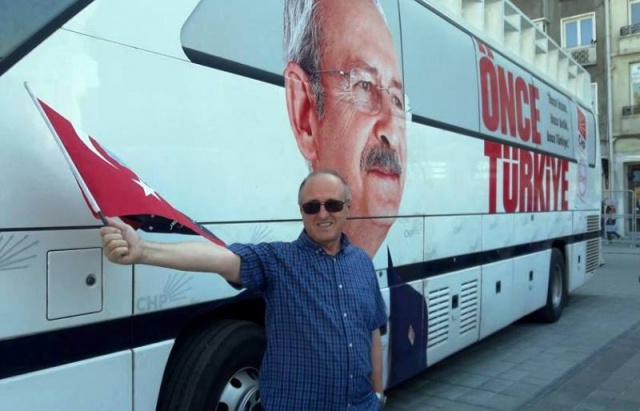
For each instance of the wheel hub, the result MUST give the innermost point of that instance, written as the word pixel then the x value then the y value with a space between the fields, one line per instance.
pixel 241 393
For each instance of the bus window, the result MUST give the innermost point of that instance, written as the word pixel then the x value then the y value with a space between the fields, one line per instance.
pixel 256 30
pixel 442 84
pixel 21 20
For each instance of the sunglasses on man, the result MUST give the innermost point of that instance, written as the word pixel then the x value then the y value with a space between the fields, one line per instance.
pixel 332 206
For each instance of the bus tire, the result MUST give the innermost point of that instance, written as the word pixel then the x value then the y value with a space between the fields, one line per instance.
pixel 217 365
pixel 556 292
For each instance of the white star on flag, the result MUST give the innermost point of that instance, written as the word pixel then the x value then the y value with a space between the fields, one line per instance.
pixel 148 191
pixel 105 182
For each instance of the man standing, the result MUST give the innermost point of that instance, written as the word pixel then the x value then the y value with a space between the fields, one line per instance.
pixel 347 109
pixel 323 305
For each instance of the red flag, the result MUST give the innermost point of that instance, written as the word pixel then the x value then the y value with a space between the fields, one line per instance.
pixel 111 188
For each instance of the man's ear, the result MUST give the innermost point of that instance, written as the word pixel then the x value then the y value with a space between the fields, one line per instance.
pixel 301 106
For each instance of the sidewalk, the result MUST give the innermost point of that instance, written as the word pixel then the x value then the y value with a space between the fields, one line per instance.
pixel 609 379
pixel 589 360
pixel 619 247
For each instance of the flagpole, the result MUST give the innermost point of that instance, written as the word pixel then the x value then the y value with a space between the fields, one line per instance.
pixel 101 216
pixel 72 166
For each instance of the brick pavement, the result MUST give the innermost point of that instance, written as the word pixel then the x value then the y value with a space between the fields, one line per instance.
pixel 589 360
pixel 608 380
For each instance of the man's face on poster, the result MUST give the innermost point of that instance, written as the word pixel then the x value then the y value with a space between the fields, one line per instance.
pixel 360 132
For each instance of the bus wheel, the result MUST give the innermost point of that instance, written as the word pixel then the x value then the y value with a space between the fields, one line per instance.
pixel 215 369
pixel 556 293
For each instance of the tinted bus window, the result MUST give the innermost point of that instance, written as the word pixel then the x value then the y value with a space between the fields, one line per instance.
pixel 246 37
pixel 20 20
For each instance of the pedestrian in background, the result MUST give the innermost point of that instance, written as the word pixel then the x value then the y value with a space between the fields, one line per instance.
pixel 610 223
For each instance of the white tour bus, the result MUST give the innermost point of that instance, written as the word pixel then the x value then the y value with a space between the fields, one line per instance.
pixel 484 209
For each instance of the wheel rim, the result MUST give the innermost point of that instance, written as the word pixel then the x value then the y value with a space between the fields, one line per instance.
pixel 241 391
pixel 556 287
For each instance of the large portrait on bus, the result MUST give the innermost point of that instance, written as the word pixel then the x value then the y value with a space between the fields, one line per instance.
pixel 445 152
pixel 344 93
pixel 347 108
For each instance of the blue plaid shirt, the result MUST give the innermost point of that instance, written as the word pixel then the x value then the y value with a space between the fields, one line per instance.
pixel 320 313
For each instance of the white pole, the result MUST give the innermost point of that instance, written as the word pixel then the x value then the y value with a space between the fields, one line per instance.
pixel 72 166
pixel 607 17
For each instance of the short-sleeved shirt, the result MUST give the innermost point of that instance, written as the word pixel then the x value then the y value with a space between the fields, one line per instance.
pixel 320 313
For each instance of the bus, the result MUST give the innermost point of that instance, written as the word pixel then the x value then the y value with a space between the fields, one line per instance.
pixel 466 134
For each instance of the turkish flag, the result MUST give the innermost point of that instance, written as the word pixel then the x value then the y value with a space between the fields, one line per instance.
pixel 111 188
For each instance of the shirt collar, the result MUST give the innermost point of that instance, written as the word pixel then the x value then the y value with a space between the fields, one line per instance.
pixel 305 242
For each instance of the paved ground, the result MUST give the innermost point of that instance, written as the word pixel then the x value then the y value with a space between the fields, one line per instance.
pixel 589 360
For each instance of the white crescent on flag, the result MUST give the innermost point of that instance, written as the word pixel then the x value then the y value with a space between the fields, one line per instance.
pixel 110 187
pixel 84 137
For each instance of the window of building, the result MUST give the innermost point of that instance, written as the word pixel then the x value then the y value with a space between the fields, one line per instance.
pixel 578 31
pixel 594 98
pixel 634 81
pixel 541 23
pixel 634 11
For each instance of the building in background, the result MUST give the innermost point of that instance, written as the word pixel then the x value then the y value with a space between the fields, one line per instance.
pixel 600 34
pixel 625 81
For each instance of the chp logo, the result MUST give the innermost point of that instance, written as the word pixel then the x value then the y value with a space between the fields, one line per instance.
pixel 175 290
pixel 582 153
pixel 582 130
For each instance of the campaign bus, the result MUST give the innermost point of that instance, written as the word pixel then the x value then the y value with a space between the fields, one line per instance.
pixel 466 134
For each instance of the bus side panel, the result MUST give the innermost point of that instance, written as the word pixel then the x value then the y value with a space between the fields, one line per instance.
pixel 50 288
pixel 452 236
pixel 560 224
pixel 576 260
pixel 454 312
pixel 99 384
pixel 148 369
pixel 120 21
pixel 126 99
pixel 158 289
pixel 531 282
pixel 497 230
pixel 498 297
pixel 405 241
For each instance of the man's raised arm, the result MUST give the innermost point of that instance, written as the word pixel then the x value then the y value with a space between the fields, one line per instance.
pixel 122 245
